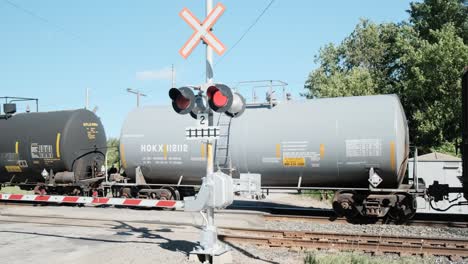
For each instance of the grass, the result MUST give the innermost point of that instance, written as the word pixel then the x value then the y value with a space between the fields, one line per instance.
pixel 14 189
pixel 359 258
pixel 319 195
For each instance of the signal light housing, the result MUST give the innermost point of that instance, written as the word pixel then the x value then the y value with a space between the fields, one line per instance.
pixel 199 107
pixel 237 107
pixel 220 97
pixel 183 100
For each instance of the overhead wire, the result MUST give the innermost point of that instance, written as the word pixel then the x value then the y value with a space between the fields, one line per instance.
pixel 245 32
pixel 41 18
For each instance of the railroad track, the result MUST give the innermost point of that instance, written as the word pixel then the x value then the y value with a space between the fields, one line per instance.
pixel 319 216
pixel 454 249
pixel 342 220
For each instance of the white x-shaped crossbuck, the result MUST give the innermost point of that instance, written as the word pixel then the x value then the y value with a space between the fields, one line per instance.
pixel 202 31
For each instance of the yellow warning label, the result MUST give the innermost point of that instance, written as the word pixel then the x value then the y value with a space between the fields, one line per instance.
pixel 13 168
pixel 294 162
pixel 91 130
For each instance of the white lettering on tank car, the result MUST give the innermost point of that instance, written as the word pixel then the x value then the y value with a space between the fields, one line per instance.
pixel 363 148
pixel 41 151
pixel 159 148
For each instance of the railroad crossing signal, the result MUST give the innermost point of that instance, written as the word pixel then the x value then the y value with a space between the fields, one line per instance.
pixel 183 99
pixel 202 31
pixel 220 98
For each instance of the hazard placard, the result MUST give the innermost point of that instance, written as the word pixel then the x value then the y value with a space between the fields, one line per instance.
pixel 294 162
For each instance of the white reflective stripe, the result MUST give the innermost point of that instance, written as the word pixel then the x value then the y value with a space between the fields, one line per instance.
pixel 148 202
pixel 217 12
pixel 202 31
pixel 116 201
pixel 191 20
pixel 214 43
pixel 28 197
pixel 56 198
pixel 89 200
pixel 85 200
pixel 192 42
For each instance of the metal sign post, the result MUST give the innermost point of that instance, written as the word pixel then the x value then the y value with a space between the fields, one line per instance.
pixel 216 190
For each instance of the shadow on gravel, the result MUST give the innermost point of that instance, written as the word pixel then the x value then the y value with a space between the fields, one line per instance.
pixel 277 208
pixel 125 229
pixel 248 254
pixel 172 245
pixel 78 238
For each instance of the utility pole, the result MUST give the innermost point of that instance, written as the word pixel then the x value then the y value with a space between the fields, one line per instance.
pixel 173 77
pixel 137 93
pixel 87 99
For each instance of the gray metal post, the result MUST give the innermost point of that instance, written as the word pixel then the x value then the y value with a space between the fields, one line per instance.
pixel 173 76
pixel 210 143
pixel 209 50
pixel 415 170
pixel 87 98
pixel 138 99
pixel 137 93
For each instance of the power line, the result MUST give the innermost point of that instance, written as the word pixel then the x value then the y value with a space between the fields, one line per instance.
pixel 246 31
pixel 41 18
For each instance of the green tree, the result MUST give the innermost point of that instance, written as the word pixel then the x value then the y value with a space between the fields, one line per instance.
pixel 423 69
pixel 433 89
pixel 435 14
pixel 113 152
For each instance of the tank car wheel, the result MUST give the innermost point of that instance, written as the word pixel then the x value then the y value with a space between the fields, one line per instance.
pixel 404 209
pixel 344 205
pixel 174 195
pixel 125 193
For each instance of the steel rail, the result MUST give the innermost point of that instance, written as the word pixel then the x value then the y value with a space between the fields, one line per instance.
pixel 341 220
pixel 377 244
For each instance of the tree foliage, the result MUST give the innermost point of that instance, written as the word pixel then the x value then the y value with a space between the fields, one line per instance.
pixel 435 14
pixel 113 153
pixel 421 61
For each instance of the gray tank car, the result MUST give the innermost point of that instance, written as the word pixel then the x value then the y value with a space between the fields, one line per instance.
pixel 325 142
pixel 354 144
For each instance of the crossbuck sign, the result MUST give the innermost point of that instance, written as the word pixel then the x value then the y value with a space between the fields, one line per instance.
pixel 202 31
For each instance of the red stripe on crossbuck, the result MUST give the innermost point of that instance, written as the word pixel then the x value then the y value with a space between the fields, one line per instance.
pixel 15 197
pixel 132 202
pixel 42 198
pixel 100 200
pixel 166 203
pixel 70 199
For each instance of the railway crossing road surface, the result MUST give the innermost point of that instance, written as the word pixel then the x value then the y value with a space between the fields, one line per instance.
pixel 49 234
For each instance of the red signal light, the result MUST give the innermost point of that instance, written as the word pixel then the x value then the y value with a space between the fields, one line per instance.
pixel 219 99
pixel 183 100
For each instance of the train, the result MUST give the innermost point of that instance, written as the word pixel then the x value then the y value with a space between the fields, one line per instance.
pixel 63 149
pixel 329 143
pixel 358 147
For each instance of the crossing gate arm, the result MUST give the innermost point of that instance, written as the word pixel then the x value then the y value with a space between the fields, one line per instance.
pixel 58 199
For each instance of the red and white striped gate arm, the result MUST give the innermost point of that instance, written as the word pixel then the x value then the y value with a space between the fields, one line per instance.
pixel 92 200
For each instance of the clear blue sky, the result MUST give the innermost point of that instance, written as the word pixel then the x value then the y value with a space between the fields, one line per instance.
pixel 60 48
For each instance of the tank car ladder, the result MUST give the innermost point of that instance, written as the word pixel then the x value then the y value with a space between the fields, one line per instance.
pixel 222 154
